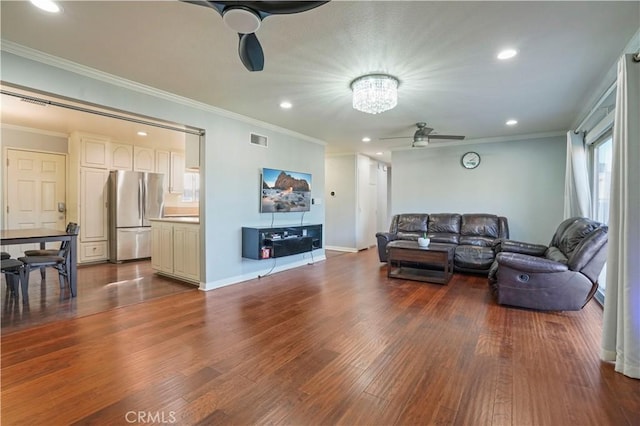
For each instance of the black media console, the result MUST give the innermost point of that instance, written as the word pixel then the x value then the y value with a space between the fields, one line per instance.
pixel 267 242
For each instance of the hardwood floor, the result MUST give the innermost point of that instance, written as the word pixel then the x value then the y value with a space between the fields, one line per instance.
pixel 100 287
pixel 331 343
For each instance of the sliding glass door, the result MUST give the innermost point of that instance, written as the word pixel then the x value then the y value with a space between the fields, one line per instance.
pixel 601 152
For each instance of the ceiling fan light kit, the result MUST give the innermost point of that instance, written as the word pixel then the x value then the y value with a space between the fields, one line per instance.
pixel 241 20
pixel 245 17
pixel 375 93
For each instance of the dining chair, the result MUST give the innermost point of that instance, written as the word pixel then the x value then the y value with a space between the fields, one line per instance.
pixel 58 262
pixel 13 270
pixel 71 229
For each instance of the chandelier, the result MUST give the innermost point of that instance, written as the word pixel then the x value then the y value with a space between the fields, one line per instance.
pixel 375 93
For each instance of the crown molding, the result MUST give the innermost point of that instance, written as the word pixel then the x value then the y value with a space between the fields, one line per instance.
pixel 54 61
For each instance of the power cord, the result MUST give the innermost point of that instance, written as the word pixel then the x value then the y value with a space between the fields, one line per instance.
pixel 270 270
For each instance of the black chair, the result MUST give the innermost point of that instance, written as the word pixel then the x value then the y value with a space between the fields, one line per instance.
pixel 58 262
pixel 71 229
pixel 13 271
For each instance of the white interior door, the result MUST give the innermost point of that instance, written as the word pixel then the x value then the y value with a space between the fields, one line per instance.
pixel 35 189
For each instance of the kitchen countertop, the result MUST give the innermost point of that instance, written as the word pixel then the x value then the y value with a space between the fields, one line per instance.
pixel 178 219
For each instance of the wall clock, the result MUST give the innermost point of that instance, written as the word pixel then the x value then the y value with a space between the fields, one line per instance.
pixel 470 160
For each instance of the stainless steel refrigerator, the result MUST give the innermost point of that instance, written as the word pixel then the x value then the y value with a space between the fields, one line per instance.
pixel 134 198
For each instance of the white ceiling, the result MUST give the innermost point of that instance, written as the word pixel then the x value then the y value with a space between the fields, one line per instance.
pixel 444 54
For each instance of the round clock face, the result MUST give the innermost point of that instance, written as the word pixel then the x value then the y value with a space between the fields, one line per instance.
pixel 470 160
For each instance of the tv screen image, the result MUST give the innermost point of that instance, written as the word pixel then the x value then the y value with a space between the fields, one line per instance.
pixel 285 191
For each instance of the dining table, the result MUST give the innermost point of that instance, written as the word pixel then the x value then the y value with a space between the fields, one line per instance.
pixel 43 236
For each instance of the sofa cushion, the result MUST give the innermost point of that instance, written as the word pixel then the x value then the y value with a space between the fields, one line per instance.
pixel 553 253
pixel 480 225
pixel 409 235
pixel 412 222
pixel 474 257
pixel 444 228
pixel 444 223
pixel 477 241
pixel 444 237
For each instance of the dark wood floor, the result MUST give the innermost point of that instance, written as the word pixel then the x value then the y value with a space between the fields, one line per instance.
pixel 100 288
pixel 331 343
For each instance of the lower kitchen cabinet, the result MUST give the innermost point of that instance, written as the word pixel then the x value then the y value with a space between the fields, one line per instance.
pixel 175 249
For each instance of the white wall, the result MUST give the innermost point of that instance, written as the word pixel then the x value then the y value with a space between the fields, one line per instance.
pixel 33 140
pixel 522 180
pixel 230 165
pixel 382 219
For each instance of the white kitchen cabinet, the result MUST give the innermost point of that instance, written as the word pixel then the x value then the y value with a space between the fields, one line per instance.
pixel 121 156
pixel 192 152
pixel 93 214
pixel 143 159
pixel 93 251
pixel 171 164
pixel 175 249
pixel 163 163
pixel 94 152
pixel 176 174
pixel 186 251
pixel 162 247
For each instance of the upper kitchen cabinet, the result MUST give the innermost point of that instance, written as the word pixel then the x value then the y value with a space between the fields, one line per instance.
pixel 143 159
pixel 192 152
pixel 176 176
pixel 121 156
pixel 94 151
pixel 171 164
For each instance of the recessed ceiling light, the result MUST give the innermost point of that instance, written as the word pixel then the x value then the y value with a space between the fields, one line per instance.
pixel 507 54
pixel 46 5
pixel 511 122
pixel 366 139
pixel 378 153
pixel 285 105
pixel 141 133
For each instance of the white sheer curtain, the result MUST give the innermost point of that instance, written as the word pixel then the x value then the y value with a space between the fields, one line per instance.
pixel 577 193
pixel 621 328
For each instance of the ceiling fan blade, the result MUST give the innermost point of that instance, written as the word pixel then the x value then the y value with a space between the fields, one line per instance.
pixel 396 137
pixel 448 137
pixel 275 7
pixel 250 52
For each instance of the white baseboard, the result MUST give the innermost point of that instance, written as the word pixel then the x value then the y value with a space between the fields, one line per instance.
pixel 253 275
pixel 337 248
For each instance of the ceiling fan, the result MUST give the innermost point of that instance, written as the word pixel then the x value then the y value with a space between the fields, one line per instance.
pixel 424 135
pixel 245 18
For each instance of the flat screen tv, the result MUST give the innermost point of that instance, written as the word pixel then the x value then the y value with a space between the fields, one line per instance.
pixel 285 191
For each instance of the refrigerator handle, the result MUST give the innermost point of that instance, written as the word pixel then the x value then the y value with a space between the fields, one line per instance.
pixel 140 200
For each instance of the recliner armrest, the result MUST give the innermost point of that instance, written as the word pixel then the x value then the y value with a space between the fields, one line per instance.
pixel 512 246
pixel 527 263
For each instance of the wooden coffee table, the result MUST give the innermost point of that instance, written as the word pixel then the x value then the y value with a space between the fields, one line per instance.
pixel 409 261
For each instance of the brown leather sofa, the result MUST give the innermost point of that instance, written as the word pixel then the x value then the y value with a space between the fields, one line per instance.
pixel 473 236
pixel 560 277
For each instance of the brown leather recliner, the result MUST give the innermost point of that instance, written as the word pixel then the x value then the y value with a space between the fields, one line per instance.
pixel 560 277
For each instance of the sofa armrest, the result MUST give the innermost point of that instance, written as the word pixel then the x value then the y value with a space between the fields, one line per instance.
pixel 383 239
pixel 385 236
pixel 527 263
pixel 512 246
